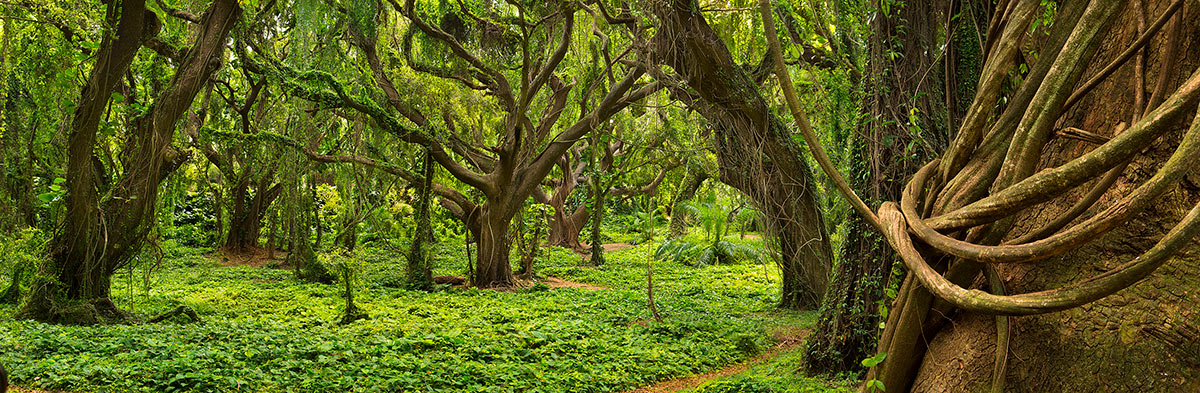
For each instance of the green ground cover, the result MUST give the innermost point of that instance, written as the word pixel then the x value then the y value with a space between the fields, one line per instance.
pixel 264 331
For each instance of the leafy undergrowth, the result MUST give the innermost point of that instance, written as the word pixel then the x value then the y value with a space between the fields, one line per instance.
pixel 775 375
pixel 264 331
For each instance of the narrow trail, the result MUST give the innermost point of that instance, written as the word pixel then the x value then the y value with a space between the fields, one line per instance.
pixel 555 282
pixel 608 247
pixel 786 342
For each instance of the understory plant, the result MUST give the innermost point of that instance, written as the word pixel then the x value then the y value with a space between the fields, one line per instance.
pixel 713 218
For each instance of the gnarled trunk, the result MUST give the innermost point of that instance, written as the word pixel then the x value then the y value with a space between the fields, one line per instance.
pixel 245 221
pixel 848 328
pixel 754 149
pixel 492 267
pixel 100 236
pixel 1140 338
pixel 565 229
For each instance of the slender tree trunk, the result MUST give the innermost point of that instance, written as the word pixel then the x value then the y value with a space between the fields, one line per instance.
pixel 301 256
pixel 420 270
pixel 598 196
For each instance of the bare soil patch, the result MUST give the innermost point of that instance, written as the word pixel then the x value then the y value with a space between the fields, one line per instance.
pixel 254 257
pixel 608 247
pixel 786 339
pixel 554 282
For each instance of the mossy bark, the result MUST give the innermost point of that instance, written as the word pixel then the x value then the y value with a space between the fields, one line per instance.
pixel 847 330
pixel 755 150
pixel 1139 339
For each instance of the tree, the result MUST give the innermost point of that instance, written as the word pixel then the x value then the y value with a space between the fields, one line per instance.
pixel 755 152
pixel 986 216
pixel 101 234
pixel 523 152
pixel 626 155
pixel 907 121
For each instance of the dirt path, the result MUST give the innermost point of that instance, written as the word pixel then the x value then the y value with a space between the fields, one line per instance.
pixel 786 340
pixel 555 282
pixel 608 247
pixel 254 257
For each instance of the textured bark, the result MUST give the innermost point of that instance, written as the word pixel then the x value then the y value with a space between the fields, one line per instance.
pixel 492 268
pixel 98 237
pixel 301 218
pixel 755 151
pixel 848 327
pixel 420 269
pixel 246 217
pixel 1122 343
pixel 1139 339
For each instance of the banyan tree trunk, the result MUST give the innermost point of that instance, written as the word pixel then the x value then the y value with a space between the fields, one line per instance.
pixel 245 220
pixel 755 151
pixel 848 328
pixel 1107 304
pixel 565 228
pixel 493 268
pixel 98 236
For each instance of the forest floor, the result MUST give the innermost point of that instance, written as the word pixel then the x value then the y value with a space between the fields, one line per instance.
pixel 608 247
pixel 786 340
pixel 253 257
pixel 555 282
pixel 262 330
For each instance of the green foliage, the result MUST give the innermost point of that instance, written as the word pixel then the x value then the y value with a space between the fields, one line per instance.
pixel 195 223
pixel 26 248
pixel 264 331
pixel 737 385
pixel 531 226
pixel 714 249
pixel 776 375
pixel 21 255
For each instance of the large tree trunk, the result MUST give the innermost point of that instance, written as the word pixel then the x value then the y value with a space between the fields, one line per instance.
pixel 565 229
pixel 848 327
pixel 754 149
pixel 246 215
pixel 97 237
pixel 1142 338
pixel 492 267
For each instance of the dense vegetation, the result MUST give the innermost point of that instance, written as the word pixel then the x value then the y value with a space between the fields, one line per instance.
pixel 599 195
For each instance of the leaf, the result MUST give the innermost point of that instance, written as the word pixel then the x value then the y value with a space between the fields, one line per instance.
pixel 117 97
pixel 47 197
pixel 874 360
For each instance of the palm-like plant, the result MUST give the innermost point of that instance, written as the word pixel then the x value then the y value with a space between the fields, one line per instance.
pixel 713 249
